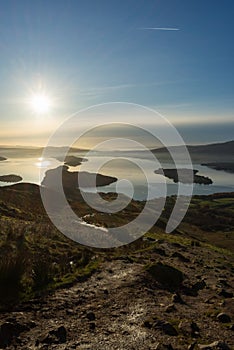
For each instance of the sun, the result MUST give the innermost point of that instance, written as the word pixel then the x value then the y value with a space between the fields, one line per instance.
pixel 41 104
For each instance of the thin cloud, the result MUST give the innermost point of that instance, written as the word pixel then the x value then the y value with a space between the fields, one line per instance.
pixel 96 91
pixel 160 28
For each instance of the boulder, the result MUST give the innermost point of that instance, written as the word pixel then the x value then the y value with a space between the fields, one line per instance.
pixel 169 277
pixel 10 331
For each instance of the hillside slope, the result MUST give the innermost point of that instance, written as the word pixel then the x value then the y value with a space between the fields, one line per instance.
pixel 164 291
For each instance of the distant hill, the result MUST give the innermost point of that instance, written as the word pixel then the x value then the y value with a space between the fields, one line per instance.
pixel 225 147
pixel 202 153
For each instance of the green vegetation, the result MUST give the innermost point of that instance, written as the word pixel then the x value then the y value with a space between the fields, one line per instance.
pixel 36 259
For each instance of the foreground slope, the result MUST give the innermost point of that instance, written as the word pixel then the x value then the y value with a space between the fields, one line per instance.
pixel 164 291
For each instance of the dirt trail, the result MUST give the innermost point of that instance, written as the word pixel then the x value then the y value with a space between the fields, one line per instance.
pixel 112 308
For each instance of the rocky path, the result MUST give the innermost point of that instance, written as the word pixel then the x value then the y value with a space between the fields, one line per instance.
pixel 121 307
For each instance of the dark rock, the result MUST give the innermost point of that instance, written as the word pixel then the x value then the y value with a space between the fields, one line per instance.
pixel 195 331
pixel 180 257
pixel 176 298
pixel 224 282
pixel 165 327
pixel 215 345
pixel 10 331
pixel 223 318
pixel 225 294
pixel 55 336
pixel 192 346
pixel 199 285
pixel 7 332
pixel 159 251
pixel 169 329
pixel 92 326
pixel 91 316
pixel 61 334
pixel 169 277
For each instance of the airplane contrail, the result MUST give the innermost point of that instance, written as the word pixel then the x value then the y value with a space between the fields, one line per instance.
pixel 160 28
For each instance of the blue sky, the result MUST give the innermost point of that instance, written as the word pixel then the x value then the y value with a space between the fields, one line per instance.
pixel 83 53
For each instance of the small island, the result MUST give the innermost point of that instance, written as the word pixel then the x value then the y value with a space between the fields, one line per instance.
pixel 186 176
pixel 72 160
pixel 228 167
pixel 2 159
pixel 70 179
pixel 10 178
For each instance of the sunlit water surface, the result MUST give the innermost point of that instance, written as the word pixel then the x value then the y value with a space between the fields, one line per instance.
pixel 137 180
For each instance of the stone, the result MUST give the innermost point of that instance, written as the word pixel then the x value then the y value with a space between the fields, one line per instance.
pixel 61 334
pixel 176 298
pixel 195 331
pixel 55 336
pixel 180 257
pixel 225 294
pixel 9 331
pixel 169 277
pixel 199 285
pixel 168 329
pixel 223 318
pixel 91 316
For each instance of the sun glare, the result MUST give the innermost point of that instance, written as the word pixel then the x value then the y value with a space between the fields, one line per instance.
pixel 40 104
